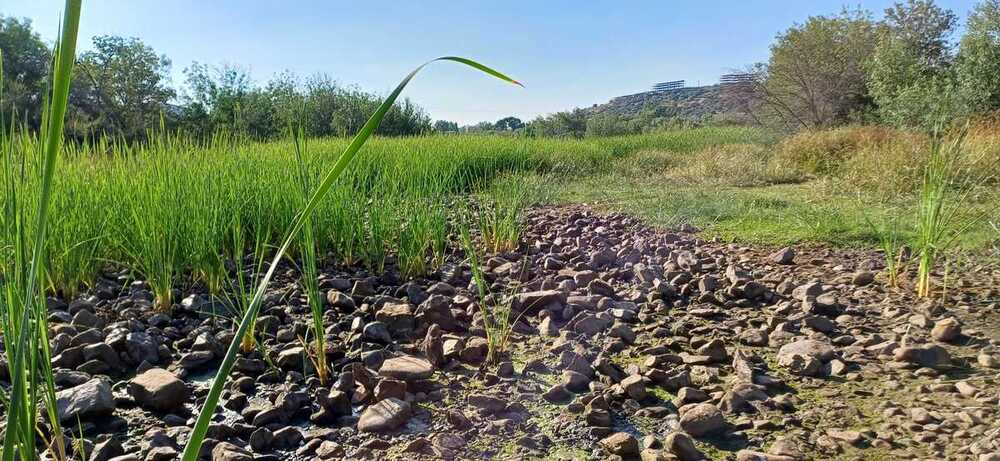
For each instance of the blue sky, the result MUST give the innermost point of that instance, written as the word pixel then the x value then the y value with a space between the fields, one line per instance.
pixel 568 53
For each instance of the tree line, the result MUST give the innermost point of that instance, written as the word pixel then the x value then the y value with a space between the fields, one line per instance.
pixel 903 70
pixel 123 89
pixel 906 69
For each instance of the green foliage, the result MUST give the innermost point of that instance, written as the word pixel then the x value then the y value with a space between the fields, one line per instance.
pixel 911 77
pixel 978 64
pixel 122 88
pixel 815 76
pixel 445 126
pixel 495 309
pixel 25 63
pixel 943 214
pixel 225 98
pixel 571 124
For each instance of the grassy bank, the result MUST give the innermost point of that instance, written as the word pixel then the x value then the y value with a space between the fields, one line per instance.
pixel 814 187
pixel 168 209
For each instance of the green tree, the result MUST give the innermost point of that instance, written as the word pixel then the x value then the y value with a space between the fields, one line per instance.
pixel 978 64
pixel 922 29
pixel 508 124
pixel 25 66
pixel 815 75
pixel 445 126
pixel 571 124
pixel 129 84
pixel 910 74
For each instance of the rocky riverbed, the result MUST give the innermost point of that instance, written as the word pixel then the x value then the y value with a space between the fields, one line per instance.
pixel 634 343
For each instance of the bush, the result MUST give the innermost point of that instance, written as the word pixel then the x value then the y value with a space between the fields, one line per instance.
pixel 823 152
pixel 740 165
pixel 886 161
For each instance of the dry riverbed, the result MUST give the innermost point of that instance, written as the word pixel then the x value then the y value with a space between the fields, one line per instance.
pixel 635 342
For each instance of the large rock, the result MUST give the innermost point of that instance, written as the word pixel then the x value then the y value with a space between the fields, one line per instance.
pixel 532 301
pixel 681 445
pixel 946 330
pixel 398 317
pixel 406 368
pixel 805 357
pixel 621 444
pixel 702 419
pixel 91 398
pixel 158 389
pixel 384 416
pixel 225 451
pixel 928 355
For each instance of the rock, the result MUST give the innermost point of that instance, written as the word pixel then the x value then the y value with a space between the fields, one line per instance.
pixel 702 419
pixel 92 398
pixel 575 382
pixel 928 355
pixel 486 403
pixel 340 301
pixel 406 368
pixel 434 346
pixel 384 416
pixel 436 310
pixel 398 317
pixel 681 445
pixel 475 350
pixel 291 358
pixel 863 278
pixel 946 330
pixel 783 256
pixel 750 455
pixel 634 387
pixel 532 301
pixel 377 332
pixel 158 389
pixel 805 357
pixel 621 444
pixel 850 437
pixel 557 394
pixel 225 451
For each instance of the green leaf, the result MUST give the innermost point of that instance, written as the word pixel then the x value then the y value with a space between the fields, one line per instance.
pixel 193 446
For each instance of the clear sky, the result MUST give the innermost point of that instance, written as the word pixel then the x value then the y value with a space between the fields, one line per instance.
pixel 568 53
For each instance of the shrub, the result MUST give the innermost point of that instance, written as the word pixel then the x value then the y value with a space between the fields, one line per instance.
pixel 737 165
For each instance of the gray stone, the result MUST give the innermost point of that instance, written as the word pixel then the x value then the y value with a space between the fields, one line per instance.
pixel 702 419
pixel 384 416
pixel 92 398
pixel 158 389
pixel 406 368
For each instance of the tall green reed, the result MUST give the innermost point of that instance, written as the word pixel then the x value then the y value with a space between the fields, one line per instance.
pixel 309 272
pixel 943 212
pixel 23 302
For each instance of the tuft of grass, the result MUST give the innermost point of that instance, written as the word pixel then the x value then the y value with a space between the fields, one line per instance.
pixel 249 259
pixel 500 207
pixel 309 272
pixel 943 214
pixel 496 311
pixel 891 243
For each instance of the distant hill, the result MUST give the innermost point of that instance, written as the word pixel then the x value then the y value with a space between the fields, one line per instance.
pixel 693 103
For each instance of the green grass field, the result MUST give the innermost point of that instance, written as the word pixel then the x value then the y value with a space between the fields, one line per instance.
pixel 167 209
